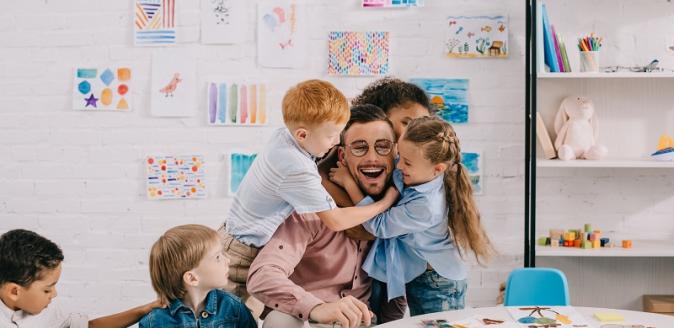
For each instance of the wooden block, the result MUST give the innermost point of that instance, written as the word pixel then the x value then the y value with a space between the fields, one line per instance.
pixel 596 243
pixel 542 241
pixel 604 242
pixel 544 138
pixel 587 244
pixel 556 233
pixel 627 243
pixel 554 242
pixel 588 227
pixel 577 243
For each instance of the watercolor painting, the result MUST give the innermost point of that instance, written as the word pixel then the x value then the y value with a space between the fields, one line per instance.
pixel 449 96
pixel 547 316
pixel 477 37
pixel 154 23
pixel 222 21
pixel 239 164
pixel 102 89
pixel 358 53
pixel 391 3
pixel 237 103
pixel 173 84
pixel 472 161
pixel 281 34
pixel 175 177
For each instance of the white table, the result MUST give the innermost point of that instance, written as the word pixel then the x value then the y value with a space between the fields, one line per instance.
pixel 501 313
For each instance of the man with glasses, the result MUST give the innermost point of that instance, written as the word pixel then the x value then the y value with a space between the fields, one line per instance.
pixel 309 273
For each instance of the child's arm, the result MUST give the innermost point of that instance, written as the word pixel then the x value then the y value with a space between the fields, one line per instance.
pixel 338 194
pixel 126 318
pixel 339 219
pixel 341 176
pixel 412 216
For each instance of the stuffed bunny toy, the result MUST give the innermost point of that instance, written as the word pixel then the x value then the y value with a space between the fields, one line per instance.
pixel 576 128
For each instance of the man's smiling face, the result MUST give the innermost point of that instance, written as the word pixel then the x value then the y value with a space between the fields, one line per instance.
pixel 371 171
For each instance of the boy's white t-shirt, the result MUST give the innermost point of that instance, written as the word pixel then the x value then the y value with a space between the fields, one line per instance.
pixel 51 317
pixel 282 179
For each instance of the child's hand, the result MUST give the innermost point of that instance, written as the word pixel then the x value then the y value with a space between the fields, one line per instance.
pixel 391 196
pixel 156 304
pixel 340 175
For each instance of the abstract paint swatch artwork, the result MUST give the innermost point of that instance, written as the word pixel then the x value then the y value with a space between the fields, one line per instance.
pixel 104 88
pixel 547 316
pixel 154 22
pixel 448 96
pixel 391 3
pixel 477 37
pixel 222 21
pixel 281 34
pixel 175 177
pixel 358 53
pixel 173 86
pixel 239 164
pixel 237 103
pixel 473 163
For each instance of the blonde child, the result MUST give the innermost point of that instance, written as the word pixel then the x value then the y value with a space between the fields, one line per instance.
pixel 30 267
pixel 284 178
pixel 422 238
pixel 188 267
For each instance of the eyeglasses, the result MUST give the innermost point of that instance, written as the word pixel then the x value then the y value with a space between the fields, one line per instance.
pixel 359 148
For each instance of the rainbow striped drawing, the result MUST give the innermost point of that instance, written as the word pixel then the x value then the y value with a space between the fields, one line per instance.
pixel 236 103
pixel 358 53
pixel 154 22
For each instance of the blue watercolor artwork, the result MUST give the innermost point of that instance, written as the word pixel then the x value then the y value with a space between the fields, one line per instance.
pixel 239 164
pixel 449 96
pixel 473 163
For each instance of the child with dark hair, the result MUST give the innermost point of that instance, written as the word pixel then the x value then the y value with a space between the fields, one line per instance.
pixel 30 268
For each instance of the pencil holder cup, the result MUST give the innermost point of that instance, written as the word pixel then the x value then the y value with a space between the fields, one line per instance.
pixel 589 61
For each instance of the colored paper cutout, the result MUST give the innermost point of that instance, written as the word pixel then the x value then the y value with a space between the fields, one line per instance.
pixel 281 34
pixel 154 22
pixel 175 177
pixel 448 96
pixel 358 53
pixel 94 91
pixel 477 37
pixel 239 164
pixel 236 103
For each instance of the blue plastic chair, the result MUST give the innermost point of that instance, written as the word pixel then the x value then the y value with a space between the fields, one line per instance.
pixel 536 286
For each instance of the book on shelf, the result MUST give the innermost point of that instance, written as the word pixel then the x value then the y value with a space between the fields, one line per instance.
pixel 548 42
pixel 544 138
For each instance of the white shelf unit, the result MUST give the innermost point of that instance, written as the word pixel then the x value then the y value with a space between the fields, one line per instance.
pixel 640 248
pixel 627 195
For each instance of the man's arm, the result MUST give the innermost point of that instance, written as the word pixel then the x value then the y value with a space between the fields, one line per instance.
pixel 126 318
pixel 268 277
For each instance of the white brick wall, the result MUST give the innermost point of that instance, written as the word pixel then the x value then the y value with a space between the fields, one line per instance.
pixel 77 177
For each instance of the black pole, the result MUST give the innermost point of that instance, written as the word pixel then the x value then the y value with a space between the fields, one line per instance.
pixel 530 137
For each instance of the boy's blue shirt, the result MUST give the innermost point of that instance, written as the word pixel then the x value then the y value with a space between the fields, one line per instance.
pixel 221 310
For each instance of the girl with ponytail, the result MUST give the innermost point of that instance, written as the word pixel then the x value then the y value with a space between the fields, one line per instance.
pixel 422 239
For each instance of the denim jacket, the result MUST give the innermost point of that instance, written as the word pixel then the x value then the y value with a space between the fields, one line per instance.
pixel 221 310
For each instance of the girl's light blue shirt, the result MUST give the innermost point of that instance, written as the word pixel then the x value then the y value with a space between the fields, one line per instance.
pixel 411 235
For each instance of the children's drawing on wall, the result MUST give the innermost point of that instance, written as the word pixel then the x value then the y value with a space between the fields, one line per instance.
pixel 175 177
pixel 547 316
pixel 477 37
pixel 173 84
pixel 239 164
pixel 449 96
pixel 358 53
pixel 472 161
pixel 154 22
pixel 222 21
pixel 104 88
pixel 391 3
pixel 282 34
pixel 237 103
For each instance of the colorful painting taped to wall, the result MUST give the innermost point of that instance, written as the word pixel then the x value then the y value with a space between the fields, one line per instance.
pixel 547 316
pixel 222 21
pixel 154 22
pixel 173 84
pixel 239 164
pixel 281 34
pixel 358 53
pixel 473 163
pixel 477 37
pixel 448 96
pixel 175 177
pixel 105 88
pixel 237 103
pixel 391 3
